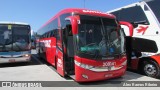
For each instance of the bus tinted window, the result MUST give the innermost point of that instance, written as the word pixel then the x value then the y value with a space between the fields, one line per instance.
pixel 5 38
pixel 62 19
pixel 131 14
pixel 154 5
pixel 116 13
pixel 52 34
pixel 21 38
pixel 14 37
pixel 48 28
pixel 98 34
pixel 54 25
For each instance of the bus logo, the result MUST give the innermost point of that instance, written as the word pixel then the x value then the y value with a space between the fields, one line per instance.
pixel 98 12
pixel 59 63
pixel 47 43
pixel 142 29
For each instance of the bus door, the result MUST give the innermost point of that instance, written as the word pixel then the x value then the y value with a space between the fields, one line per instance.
pixel 59 53
pixel 68 48
pixel 65 60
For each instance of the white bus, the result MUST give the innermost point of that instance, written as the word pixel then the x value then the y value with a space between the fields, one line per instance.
pixel 145 16
pixel 15 42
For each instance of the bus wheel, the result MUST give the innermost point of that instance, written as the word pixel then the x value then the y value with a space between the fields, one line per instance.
pixel 151 69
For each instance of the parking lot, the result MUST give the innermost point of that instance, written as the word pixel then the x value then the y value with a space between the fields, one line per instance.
pixel 40 70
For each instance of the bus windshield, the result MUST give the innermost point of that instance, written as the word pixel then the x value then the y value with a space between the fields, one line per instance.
pixel 14 38
pixel 154 5
pixel 99 38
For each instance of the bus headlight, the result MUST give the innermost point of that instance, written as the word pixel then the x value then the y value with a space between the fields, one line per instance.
pixel 27 55
pixel 85 66
pixel 124 63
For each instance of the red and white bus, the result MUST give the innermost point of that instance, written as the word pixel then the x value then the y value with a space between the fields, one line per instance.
pixel 87 45
pixel 145 17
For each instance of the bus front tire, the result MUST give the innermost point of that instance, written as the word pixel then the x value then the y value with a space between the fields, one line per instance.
pixel 151 69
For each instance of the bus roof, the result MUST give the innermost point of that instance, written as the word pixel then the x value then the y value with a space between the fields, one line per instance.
pixel 80 11
pixel 8 22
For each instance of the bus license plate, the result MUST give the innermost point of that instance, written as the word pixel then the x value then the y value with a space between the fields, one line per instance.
pixel 12 60
pixel 108 75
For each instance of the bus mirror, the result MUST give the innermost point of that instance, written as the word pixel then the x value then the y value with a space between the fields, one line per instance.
pixel 143 45
pixel 129 25
pixel 135 25
pixel 144 22
pixel 74 23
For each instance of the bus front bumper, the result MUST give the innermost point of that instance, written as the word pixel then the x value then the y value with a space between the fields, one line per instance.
pixel 15 59
pixel 83 75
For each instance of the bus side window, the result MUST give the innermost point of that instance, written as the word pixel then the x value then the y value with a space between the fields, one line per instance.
pixel 52 34
pixel 44 35
pixel 70 45
pixel 69 28
pixel 131 14
pixel 58 34
pixel 48 34
pixel 54 29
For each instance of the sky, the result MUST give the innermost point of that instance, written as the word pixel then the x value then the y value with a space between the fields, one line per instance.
pixel 38 12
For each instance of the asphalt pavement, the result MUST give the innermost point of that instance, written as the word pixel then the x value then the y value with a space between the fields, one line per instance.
pixel 40 70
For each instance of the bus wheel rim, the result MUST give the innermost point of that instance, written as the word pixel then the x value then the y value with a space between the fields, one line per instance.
pixel 150 69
